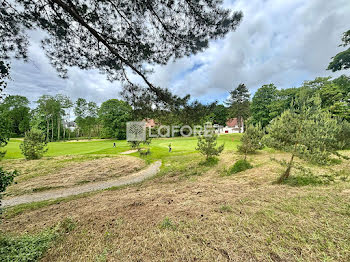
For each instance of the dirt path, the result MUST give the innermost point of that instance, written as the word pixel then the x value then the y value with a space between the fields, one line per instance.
pixel 54 194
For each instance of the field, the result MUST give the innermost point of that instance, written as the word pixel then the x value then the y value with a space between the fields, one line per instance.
pixel 187 212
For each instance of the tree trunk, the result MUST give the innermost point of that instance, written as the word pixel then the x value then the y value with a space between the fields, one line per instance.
pixel 286 174
pixel 239 119
pixel 52 129
pixel 58 128
pixel 64 133
pixel 48 129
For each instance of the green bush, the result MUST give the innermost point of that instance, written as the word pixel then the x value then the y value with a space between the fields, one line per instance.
pixel 251 139
pixel 240 166
pixel 33 145
pixel 343 135
pixel 6 178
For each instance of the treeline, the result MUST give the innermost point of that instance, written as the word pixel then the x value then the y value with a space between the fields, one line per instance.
pixel 56 115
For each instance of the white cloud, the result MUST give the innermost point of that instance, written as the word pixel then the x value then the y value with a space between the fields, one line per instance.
pixel 281 42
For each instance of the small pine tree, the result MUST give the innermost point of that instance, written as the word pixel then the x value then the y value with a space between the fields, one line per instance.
pixel 251 140
pixel 207 145
pixel 34 144
pixel 307 132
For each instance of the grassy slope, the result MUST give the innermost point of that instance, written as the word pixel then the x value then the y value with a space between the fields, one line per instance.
pixel 191 212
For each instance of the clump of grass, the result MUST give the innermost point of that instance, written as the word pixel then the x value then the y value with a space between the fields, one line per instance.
pixel 304 180
pixel 211 161
pixel 226 208
pixel 167 223
pixel 32 247
pixel 45 188
pixel 239 166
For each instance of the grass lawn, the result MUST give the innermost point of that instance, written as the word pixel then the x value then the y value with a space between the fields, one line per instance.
pixel 193 212
pixel 159 147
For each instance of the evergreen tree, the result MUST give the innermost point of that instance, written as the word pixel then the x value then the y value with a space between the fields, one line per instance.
pixel 342 60
pixel 239 105
pixel 207 145
pixel 114 36
pixel 33 145
pixel 251 139
pixel 307 132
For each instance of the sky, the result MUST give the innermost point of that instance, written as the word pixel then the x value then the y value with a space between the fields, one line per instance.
pixel 281 42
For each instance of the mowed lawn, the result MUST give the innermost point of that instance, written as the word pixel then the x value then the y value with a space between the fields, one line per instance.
pixel 159 146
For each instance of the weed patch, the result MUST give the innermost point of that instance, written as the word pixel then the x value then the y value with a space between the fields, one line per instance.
pixel 239 166
pixel 167 223
pixel 32 247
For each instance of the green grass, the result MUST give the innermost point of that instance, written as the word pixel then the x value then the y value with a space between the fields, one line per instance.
pixel 159 147
pixel 239 166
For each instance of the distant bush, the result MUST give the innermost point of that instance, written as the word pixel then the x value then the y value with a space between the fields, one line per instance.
pixel 251 139
pixel 240 166
pixel 33 145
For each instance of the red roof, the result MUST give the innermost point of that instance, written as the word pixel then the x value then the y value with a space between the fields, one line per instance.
pixel 232 122
pixel 150 122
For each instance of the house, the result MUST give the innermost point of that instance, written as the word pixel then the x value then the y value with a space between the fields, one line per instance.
pixel 71 125
pixel 150 123
pixel 231 127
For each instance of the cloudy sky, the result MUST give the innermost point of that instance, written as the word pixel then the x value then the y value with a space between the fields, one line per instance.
pixel 281 42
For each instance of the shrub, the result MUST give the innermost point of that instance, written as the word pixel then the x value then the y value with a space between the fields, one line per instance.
pixel 240 166
pixel 6 179
pixel 251 139
pixel 343 135
pixel 33 145
pixel 207 145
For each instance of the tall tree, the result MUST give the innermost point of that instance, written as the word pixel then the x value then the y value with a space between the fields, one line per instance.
pixel 114 114
pixel 16 110
pixel 114 36
pixel 342 60
pixel 261 107
pixel 220 115
pixel 86 115
pixel 239 104
pixel 47 107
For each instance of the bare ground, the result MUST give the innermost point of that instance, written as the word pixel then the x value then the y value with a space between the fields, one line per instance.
pixel 69 171
pixel 65 192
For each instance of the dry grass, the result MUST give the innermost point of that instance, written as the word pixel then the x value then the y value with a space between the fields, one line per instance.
pixel 204 217
pixel 68 171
